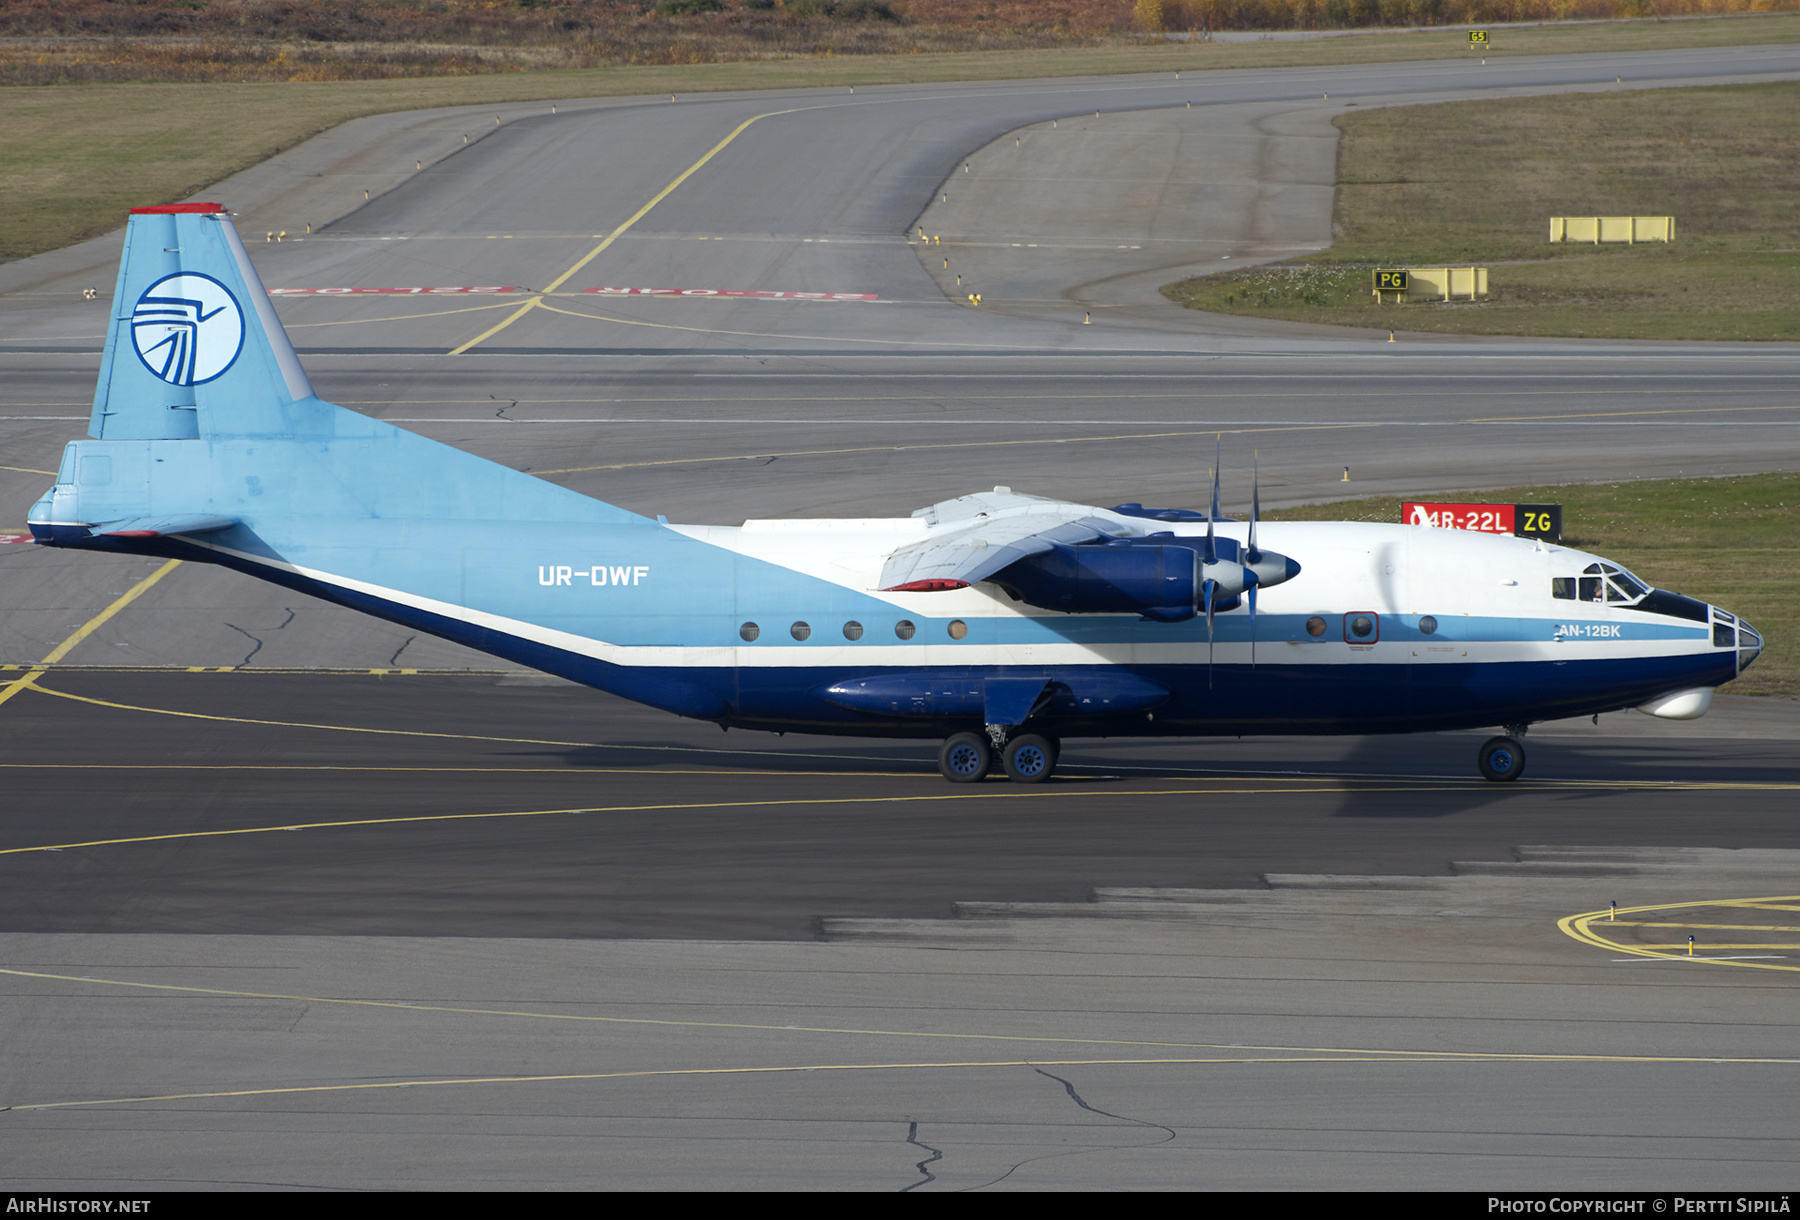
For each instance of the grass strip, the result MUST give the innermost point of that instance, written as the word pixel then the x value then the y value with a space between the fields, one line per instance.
pixel 74 157
pixel 1734 542
pixel 1477 182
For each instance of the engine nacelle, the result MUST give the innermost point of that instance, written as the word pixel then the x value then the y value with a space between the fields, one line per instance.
pixel 1156 577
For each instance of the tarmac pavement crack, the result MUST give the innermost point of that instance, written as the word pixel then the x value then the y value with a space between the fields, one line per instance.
pixel 912 1137
pixel 251 638
pixel 1079 1100
pixel 395 659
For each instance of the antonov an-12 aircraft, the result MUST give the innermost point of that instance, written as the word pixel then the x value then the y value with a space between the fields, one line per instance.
pixel 1002 623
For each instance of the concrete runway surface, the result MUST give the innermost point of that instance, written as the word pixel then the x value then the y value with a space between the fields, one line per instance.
pixel 295 900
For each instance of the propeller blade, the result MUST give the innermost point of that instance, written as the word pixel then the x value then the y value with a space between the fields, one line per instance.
pixel 1252 592
pixel 1206 591
pixel 1255 512
pixel 1212 551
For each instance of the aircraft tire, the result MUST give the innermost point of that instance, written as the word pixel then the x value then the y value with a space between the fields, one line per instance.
pixel 1502 760
pixel 1029 759
pixel 966 758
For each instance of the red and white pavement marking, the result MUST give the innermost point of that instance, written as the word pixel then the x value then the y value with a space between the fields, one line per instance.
pixel 733 292
pixel 6 538
pixel 345 292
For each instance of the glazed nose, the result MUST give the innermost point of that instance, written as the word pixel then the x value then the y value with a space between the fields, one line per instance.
pixel 1750 645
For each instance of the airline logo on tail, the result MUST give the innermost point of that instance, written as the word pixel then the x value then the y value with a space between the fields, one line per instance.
pixel 187 328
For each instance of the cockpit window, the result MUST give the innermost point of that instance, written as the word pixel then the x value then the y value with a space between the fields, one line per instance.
pixel 1600 582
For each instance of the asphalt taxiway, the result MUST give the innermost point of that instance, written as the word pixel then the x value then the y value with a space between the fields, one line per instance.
pixel 299 900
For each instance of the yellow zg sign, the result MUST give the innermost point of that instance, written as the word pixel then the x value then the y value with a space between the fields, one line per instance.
pixel 1478 38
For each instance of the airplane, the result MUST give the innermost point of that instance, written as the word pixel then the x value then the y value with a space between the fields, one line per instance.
pixel 998 622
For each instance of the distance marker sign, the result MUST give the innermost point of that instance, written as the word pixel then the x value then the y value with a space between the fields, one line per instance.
pixel 1521 520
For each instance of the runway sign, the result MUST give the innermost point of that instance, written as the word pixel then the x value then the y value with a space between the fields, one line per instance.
pixel 733 292
pixel 1521 520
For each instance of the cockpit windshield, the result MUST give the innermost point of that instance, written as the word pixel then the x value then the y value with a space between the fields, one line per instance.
pixel 1600 582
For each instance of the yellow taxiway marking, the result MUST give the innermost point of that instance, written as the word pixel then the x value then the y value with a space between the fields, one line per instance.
pixel 1337 783
pixel 29 470
pixel 934 399
pixel 29 679
pixel 1218 1053
pixel 759 334
pixel 610 238
pixel 402 317
pixel 1710 927
pixel 1589 928
pixel 753 803
pixel 1036 440
pixel 1516 419
pixel 953 1065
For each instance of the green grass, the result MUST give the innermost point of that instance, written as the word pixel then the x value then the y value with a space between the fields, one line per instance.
pixel 1734 542
pixel 1477 182
pixel 74 157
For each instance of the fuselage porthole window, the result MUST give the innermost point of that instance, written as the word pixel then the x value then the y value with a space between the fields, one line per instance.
pixel 1428 625
pixel 1315 626
pixel 748 633
pixel 853 630
pixel 800 631
pixel 904 629
pixel 958 629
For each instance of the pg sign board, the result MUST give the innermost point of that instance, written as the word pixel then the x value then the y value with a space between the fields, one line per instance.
pixel 1521 520
pixel 1392 281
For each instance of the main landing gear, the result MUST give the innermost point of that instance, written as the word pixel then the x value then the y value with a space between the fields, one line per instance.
pixel 1029 758
pixel 1502 759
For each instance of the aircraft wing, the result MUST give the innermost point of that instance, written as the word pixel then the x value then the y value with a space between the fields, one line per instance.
pixel 973 537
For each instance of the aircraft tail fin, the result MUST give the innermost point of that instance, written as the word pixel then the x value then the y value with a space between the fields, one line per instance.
pixel 194 347
pixel 204 423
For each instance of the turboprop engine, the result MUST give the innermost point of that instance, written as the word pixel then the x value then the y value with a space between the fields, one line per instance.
pixel 1160 577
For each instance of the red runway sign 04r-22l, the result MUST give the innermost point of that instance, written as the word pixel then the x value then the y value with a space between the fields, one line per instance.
pixel 1521 520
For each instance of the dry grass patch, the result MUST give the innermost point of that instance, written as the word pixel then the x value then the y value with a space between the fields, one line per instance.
pixel 1476 182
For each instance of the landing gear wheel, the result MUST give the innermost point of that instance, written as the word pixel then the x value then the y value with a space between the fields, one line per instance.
pixel 966 758
pixel 1029 759
pixel 1501 760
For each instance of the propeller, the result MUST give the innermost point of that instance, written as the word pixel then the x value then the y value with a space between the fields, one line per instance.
pixel 1252 556
pixel 1222 580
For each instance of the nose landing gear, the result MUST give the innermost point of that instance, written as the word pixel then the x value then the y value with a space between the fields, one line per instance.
pixel 1502 759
